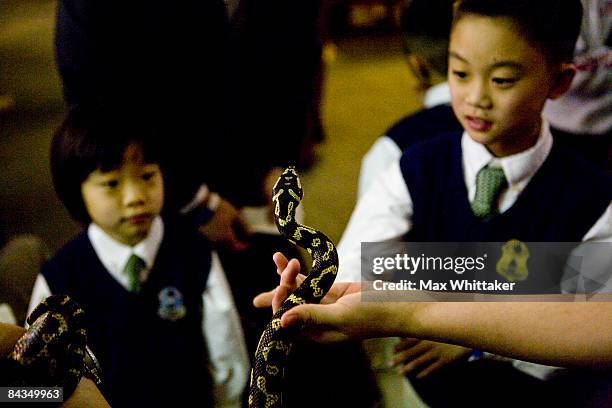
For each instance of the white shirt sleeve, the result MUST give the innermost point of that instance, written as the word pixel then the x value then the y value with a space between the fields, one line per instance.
pixel 225 339
pixel 383 152
pixel 383 212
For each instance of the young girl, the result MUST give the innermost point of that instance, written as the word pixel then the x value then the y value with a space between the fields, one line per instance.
pixel 161 317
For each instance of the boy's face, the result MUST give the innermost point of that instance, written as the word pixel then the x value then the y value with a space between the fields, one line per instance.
pixel 499 83
pixel 124 202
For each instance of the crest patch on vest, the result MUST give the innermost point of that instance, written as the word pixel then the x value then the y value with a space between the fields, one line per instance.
pixel 171 305
pixel 513 262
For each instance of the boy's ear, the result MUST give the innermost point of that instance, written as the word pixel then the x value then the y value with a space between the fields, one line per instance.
pixel 563 80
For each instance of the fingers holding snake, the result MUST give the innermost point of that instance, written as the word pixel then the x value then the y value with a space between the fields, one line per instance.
pixel 288 283
pixel 290 279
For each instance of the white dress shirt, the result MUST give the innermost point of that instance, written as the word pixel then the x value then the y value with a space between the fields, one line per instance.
pixel 220 325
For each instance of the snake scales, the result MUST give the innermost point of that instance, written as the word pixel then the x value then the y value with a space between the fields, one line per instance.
pixel 275 343
pixel 51 352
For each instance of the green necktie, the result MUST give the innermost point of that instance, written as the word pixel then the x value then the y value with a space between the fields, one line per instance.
pixel 134 266
pixel 489 183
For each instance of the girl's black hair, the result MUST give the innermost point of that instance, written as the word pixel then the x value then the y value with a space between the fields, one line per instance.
pixel 90 138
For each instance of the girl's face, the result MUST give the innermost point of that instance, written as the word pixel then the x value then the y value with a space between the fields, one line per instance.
pixel 499 83
pixel 124 201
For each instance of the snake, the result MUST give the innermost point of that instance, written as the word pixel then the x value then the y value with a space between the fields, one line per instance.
pixel 275 344
pixel 52 350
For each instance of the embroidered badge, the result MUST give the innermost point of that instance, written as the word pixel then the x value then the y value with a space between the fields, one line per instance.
pixel 171 306
pixel 513 262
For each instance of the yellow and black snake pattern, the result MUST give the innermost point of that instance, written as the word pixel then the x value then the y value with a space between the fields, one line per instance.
pixel 51 352
pixel 275 343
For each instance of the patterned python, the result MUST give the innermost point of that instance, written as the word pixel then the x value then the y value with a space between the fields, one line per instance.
pixel 51 352
pixel 275 343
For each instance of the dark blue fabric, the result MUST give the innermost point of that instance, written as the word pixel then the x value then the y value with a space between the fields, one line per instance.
pixel 423 125
pixel 146 360
pixel 561 203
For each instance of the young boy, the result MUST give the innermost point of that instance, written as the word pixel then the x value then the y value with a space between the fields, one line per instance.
pixel 506 59
pixel 161 318
pixel 504 65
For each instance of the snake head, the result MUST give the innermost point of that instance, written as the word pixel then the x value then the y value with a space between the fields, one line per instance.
pixel 289 180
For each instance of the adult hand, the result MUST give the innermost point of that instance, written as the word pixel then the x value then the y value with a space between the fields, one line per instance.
pixel 425 357
pixel 341 316
pixel 290 279
pixel 226 227
pixel 349 318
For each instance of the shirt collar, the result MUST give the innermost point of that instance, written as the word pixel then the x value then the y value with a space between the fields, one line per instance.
pixel 518 168
pixel 437 95
pixel 114 255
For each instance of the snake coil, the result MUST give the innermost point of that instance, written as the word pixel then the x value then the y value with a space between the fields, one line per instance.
pixel 275 343
pixel 51 352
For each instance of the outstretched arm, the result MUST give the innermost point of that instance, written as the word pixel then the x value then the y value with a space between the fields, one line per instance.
pixel 565 334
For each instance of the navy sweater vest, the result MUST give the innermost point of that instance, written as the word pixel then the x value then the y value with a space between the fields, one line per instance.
pixel 424 125
pixel 147 359
pixel 561 203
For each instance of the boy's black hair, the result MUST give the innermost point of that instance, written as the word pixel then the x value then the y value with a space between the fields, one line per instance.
pixel 91 138
pixel 551 25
